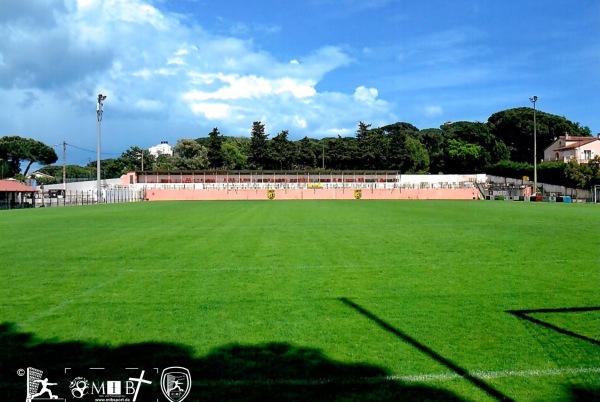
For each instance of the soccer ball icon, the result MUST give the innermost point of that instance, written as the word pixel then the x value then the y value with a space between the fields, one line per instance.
pixel 79 387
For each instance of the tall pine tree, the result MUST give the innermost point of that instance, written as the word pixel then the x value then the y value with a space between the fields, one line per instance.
pixel 258 157
pixel 216 158
pixel 282 151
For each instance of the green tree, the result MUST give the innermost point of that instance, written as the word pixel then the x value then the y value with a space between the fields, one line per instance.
pixel 131 159
pixel 4 169
pixel 216 157
pixel 189 155
pixel 320 150
pixel 464 157
pixel 417 158
pixel 396 149
pixel 236 151
pixel 371 147
pixel 282 151
pixel 258 157
pixel 552 173
pixel 351 148
pixel 71 171
pixel 405 152
pixel 508 168
pixel 234 159
pixel 306 154
pixel 434 140
pixel 475 143
pixel 579 175
pixel 327 146
pixel 163 162
pixel 594 165
pixel 365 152
pixel 111 168
pixel 400 126
pixel 15 150
pixel 514 127
pixel 241 143
pixel 338 153
pixel 203 141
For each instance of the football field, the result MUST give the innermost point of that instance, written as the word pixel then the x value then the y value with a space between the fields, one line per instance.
pixel 310 300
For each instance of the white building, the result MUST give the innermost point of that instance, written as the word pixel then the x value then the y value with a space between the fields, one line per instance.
pixel 161 149
pixel 567 147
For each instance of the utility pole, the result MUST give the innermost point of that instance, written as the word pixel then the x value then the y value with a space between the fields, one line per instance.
pixel 101 99
pixel 533 100
pixel 65 167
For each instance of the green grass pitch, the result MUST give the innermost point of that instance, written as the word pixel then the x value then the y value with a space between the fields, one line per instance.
pixel 311 300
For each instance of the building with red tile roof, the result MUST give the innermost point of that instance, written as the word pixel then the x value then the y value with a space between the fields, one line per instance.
pixel 13 193
pixel 568 147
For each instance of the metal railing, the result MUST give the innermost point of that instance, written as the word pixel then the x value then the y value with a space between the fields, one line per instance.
pixel 72 198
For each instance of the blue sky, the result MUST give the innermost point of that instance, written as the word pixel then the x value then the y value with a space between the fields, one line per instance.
pixel 175 69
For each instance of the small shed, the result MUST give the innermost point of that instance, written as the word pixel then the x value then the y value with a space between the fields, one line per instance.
pixel 14 194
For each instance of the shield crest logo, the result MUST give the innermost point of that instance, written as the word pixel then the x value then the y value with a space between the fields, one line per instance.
pixel 175 383
pixel 270 194
pixel 358 194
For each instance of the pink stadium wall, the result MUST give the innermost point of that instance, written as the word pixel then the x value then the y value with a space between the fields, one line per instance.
pixel 313 194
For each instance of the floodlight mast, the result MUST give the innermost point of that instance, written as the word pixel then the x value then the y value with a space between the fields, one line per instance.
pixel 534 100
pixel 101 99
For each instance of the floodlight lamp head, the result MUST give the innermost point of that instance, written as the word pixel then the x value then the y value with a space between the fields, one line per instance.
pixel 534 99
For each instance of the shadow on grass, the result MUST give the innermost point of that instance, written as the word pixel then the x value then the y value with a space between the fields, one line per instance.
pixel 524 315
pixel 482 385
pixel 575 393
pixel 585 394
pixel 273 371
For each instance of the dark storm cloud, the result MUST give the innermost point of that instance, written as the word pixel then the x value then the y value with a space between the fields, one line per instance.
pixel 38 51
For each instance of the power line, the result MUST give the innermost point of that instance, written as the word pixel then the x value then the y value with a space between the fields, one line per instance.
pixel 89 150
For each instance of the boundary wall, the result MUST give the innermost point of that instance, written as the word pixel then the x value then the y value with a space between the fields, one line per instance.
pixel 157 194
pixel 302 185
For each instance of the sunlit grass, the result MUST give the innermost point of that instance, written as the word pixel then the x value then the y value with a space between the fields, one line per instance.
pixel 209 274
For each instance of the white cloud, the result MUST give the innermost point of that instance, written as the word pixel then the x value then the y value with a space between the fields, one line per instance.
pixel 433 111
pixel 242 28
pixel 233 87
pixel 212 111
pixel 144 73
pixel 365 95
pixel 149 105
pixel 163 76
pixel 87 4
pixel 180 61
pixel 300 122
